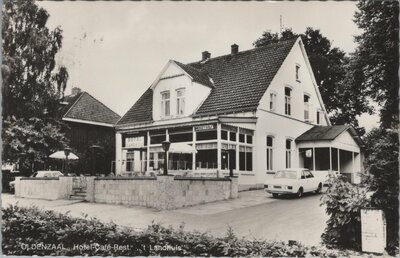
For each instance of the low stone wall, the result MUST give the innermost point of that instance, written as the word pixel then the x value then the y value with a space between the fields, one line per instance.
pixel 161 192
pixel 47 188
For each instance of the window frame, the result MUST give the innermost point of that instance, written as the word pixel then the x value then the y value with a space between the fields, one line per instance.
pixel 180 102
pixel 272 101
pixel 288 101
pixel 164 102
pixel 297 72
pixel 288 152
pixel 269 153
pixel 306 106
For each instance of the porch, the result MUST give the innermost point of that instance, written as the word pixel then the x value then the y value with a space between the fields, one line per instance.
pixel 331 148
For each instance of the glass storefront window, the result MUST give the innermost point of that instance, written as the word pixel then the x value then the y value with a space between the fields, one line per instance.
pixel 224 135
pixel 207 135
pixel 232 136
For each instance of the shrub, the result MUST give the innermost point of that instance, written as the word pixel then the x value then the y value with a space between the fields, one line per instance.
pixel 343 204
pixel 382 163
pixel 27 227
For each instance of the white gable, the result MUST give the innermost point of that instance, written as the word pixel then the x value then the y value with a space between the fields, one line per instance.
pixel 305 85
pixel 173 79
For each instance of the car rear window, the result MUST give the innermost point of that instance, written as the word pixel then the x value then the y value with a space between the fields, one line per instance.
pixel 286 174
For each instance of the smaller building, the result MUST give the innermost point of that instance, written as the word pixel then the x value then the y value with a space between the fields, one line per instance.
pixel 91 131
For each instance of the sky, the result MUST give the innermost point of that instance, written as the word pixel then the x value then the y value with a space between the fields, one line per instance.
pixel 115 50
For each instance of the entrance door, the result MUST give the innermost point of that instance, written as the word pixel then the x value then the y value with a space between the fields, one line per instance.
pixel 130 158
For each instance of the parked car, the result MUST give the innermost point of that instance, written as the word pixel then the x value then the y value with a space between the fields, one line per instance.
pixel 293 181
pixel 327 175
pixel 41 173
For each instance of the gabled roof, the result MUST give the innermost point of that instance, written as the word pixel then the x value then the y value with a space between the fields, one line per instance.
pixel 238 81
pixel 141 111
pixel 85 107
pixel 328 133
pixel 241 79
pixel 197 75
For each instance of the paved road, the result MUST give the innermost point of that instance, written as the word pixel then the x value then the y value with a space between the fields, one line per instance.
pixel 254 214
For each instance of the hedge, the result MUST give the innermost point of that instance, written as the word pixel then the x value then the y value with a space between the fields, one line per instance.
pixel 30 231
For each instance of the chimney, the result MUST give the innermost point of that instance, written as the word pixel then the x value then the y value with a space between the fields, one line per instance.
pixel 75 91
pixel 205 55
pixel 234 49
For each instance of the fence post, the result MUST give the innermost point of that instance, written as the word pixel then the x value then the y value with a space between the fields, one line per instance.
pixel 234 187
pixel 90 187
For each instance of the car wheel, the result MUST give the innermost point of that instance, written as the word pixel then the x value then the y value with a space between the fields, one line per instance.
pixel 319 188
pixel 300 192
pixel 274 195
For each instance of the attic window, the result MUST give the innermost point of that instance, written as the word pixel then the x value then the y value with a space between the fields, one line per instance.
pixel 298 72
pixel 165 104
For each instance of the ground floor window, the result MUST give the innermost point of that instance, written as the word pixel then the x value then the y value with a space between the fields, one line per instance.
pixel 245 158
pixel 206 158
pixel 180 161
pixel 228 156
pixel 288 153
pixel 269 152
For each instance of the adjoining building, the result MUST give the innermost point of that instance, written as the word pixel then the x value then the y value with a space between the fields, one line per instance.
pixel 91 131
pixel 255 111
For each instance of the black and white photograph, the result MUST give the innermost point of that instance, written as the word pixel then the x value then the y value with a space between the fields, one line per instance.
pixel 200 128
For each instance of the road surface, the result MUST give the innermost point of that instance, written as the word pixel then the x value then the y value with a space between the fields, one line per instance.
pixel 255 215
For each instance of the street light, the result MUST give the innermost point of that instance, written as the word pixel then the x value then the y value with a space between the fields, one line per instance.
pixel 67 151
pixel 165 145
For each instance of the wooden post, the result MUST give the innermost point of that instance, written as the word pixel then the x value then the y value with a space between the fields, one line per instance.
pixel 148 152
pixel 313 158
pixel 219 152
pixel 338 160
pixel 194 146
pixel 330 158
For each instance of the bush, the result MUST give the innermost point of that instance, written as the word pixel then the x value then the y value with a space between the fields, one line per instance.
pixel 382 162
pixel 58 234
pixel 343 204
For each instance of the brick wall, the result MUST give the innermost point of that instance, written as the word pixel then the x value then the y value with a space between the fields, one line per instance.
pixel 161 192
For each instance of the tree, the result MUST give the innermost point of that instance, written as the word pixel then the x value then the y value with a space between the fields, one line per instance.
pixel 381 159
pixel 378 57
pixel 330 66
pixel 32 83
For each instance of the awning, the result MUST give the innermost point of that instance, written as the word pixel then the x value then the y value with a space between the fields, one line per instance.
pixel 61 155
pixel 177 147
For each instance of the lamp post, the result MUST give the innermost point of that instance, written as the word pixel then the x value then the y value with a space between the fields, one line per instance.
pixel 67 151
pixel 165 145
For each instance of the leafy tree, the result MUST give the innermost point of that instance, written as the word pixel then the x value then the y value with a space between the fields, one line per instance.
pixel 342 100
pixel 32 84
pixel 377 55
pixel 383 164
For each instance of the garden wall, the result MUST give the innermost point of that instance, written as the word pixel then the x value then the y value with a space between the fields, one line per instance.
pixel 161 192
pixel 48 188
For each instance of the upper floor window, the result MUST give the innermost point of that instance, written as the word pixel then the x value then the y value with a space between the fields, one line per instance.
pixel 269 152
pixel 306 107
pixel 288 153
pixel 165 104
pixel 288 100
pixel 180 102
pixel 297 72
pixel 318 116
pixel 272 101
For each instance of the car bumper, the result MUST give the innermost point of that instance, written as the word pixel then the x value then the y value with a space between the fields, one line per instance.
pixel 279 191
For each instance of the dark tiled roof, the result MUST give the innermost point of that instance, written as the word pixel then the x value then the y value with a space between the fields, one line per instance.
pixel 141 111
pixel 84 106
pixel 322 133
pixel 197 75
pixel 239 81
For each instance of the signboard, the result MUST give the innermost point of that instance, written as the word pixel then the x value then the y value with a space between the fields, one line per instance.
pixel 373 230
pixel 134 142
pixel 201 128
pixel 308 153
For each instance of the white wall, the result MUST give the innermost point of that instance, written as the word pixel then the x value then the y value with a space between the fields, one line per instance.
pixel 195 93
pixel 281 128
pixel 286 76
